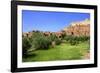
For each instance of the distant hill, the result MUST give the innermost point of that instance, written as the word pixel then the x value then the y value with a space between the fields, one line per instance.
pixel 81 28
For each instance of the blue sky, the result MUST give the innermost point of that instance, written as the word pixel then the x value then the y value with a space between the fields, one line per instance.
pixel 49 21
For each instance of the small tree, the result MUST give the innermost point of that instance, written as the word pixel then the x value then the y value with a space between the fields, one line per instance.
pixel 58 41
pixel 41 42
pixel 26 45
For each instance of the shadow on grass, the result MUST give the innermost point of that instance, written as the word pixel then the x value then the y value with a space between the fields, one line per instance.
pixel 29 55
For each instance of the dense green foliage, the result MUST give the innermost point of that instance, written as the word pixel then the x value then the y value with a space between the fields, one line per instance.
pixel 54 38
pixel 26 45
pixel 59 52
pixel 73 40
pixel 39 42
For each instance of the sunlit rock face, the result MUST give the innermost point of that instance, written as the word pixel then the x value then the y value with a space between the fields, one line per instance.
pixel 81 28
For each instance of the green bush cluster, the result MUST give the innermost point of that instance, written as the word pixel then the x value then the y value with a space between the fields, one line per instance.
pixel 55 39
pixel 83 38
pixel 58 41
pixel 73 40
pixel 41 42
pixel 26 45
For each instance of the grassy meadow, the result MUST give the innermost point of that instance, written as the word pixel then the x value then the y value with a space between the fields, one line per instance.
pixel 52 48
pixel 59 52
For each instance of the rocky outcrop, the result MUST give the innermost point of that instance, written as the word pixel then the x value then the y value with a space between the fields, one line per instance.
pixel 81 28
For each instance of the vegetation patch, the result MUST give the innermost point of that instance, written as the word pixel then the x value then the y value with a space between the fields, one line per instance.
pixel 50 48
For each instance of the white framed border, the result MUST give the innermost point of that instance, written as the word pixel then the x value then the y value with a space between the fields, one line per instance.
pixel 52 63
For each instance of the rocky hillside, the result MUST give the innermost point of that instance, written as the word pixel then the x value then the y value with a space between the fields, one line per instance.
pixel 81 28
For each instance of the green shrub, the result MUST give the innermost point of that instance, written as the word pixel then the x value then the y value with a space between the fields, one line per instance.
pixel 58 41
pixel 37 34
pixel 73 40
pixel 63 35
pixel 52 37
pixel 25 45
pixel 41 42
pixel 68 38
pixel 83 38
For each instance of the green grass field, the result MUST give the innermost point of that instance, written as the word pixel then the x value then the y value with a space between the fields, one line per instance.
pixel 59 52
